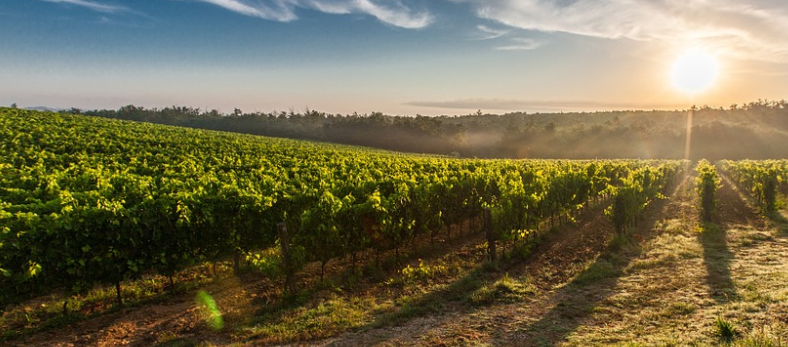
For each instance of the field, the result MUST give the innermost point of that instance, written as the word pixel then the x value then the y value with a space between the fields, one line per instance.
pixel 122 233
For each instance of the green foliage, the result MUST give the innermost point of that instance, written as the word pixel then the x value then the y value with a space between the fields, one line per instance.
pixel 725 329
pixel 505 289
pixel 637 189
pixel 609 134
pixel 762 179
pixel 707 184
pixel 88 200
pixel 422 272
pixel 268 262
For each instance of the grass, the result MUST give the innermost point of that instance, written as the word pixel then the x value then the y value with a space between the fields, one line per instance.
pixel 725 330
pixel 45 313
pixel 424 287
pixel 598 270
pixel 696 285
pixel 506 289
pixel 675 309
pixel 316 321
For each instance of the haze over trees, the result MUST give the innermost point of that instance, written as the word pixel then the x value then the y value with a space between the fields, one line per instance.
pixel 755 130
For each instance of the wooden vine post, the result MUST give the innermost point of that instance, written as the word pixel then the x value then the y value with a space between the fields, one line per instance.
pixel 287 262
pixel 490 235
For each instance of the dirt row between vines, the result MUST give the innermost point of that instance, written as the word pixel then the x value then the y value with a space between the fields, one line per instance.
pixel 550 268
pixel 666 283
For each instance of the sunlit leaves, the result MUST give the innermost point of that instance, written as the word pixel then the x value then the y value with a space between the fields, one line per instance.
pixel 762 179
pixel 87 200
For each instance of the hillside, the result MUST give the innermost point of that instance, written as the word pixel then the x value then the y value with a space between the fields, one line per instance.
pixel 117 232
pixel 754 130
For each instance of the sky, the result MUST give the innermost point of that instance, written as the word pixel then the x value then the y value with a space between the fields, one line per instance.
pixel 399 57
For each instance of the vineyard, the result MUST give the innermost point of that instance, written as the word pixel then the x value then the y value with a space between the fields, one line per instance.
pixel 89 202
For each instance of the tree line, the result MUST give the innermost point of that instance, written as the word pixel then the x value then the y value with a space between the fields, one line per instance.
pixel 753 130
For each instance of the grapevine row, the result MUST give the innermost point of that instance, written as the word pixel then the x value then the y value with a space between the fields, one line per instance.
pixel 87 200
pixel 707 183
pixel 762 179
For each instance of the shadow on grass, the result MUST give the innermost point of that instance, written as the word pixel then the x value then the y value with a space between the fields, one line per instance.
pixel 577 300
pixel 320 309
pixel 717 259
pixel 732 212
pixel 779 222
pixel 435 302
pixel 486 284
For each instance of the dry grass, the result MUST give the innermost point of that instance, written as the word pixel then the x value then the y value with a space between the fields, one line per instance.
pixel 690 277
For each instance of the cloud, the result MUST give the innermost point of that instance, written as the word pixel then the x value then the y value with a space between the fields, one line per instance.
pixel 281 12
pixel 750 29
pixel 521 44
pixel 392 13
pixel 490 33
pixel 515 104
pixel 92 5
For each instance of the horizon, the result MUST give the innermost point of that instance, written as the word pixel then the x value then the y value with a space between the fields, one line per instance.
pixel 449 57
pixel 739 107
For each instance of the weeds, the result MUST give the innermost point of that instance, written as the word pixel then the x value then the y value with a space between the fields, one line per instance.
pixel 725 330
pixel 506 289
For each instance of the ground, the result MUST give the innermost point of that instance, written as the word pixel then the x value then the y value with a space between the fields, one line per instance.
pixel 671 280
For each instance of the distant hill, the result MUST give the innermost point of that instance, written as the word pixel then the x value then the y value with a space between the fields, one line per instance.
pixel 44 108
pixel 756 130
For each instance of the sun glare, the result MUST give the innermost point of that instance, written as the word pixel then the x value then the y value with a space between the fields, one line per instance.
pixel 694 71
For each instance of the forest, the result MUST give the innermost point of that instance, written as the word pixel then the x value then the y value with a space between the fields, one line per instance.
pixel 754 130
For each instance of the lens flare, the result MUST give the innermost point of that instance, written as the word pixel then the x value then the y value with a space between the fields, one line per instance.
pixel 209 310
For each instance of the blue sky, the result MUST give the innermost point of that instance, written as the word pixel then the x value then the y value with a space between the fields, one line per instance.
pixel 405 57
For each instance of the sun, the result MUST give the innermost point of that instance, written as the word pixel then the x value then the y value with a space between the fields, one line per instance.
pixel 694 71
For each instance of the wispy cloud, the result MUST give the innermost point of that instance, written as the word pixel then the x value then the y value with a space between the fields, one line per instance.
pixel 95 6
pixel 391 12
pixel 515 104
pixel 747 29
pixel 521 44
pixel 490 33
pixel 281 11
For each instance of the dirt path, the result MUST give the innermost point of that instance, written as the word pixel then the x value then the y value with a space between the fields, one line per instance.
pixel 676 280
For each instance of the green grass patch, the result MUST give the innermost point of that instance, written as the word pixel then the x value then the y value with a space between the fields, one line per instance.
pixel 505 289
pixel 322 320
pixel 599 270
pixel 725 330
